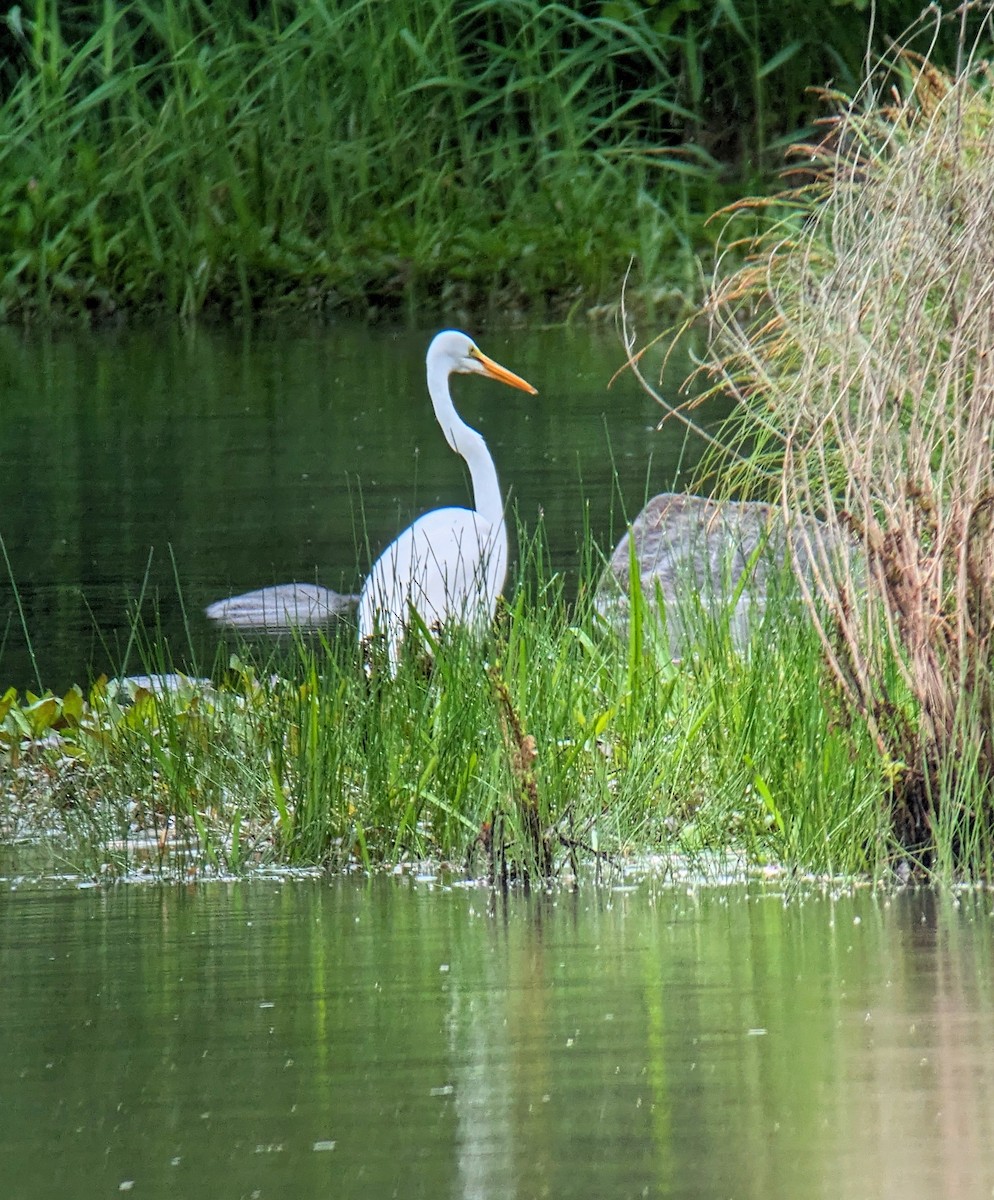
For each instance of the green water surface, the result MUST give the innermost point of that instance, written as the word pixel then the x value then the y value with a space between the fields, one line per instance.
pixel 396 1037
pixel 151 471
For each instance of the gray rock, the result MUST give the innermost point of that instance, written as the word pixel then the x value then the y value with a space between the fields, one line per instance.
pixel 693 553
pixel 281 608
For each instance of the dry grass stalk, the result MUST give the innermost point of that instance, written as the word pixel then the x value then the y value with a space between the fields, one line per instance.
pixel 522 755
pixel 859 342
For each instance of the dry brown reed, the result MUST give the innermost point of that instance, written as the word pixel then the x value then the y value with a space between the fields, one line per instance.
pixel 858 340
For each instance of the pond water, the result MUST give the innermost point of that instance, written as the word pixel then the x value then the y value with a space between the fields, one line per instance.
pixel 155 470
pixel 394 1037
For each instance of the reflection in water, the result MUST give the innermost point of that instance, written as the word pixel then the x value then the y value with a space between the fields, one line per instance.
pixel 397 1038
pixel 916 1089
pixel 482 1090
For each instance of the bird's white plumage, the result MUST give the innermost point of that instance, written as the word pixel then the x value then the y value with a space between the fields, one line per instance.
pixel 450 565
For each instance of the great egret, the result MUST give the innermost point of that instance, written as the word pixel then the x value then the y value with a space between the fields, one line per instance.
pixel 451 563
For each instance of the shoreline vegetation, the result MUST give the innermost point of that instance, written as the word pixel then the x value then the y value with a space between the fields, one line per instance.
pixel 856 340
pixel 850 736
pixel 470 160
pixel 555 746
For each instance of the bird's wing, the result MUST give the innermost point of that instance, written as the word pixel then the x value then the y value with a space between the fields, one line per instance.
pixel 449 565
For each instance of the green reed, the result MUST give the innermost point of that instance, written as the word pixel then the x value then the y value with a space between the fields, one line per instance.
pixel 554 744
pixel 189 156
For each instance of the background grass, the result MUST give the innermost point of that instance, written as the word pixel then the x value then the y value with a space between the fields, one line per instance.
pixel 367 156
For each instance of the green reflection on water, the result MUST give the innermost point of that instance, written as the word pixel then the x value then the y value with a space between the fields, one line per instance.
pixel 396 1038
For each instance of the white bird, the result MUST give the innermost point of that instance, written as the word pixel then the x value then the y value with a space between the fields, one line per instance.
pixel 450 565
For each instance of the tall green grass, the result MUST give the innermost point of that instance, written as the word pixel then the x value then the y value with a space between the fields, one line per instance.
pixel 555 744
pixel 194 156
pixel 189 157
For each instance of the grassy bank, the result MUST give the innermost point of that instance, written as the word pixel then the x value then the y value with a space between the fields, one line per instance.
pixel 857 343
pixel 853 734
pixel 556 744
pixel 369 157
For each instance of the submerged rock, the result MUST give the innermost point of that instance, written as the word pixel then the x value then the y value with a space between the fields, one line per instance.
pixel 281 608
pixel 692 553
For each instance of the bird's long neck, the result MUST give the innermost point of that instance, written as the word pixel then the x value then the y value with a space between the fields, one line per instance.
pixel 471 446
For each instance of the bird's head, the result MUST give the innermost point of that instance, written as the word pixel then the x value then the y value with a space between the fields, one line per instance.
pixel 453 352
